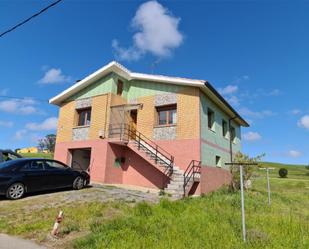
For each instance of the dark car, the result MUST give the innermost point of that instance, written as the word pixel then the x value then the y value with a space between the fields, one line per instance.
pixel 26 175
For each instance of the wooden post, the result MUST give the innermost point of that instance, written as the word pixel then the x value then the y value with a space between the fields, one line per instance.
pixel 56 227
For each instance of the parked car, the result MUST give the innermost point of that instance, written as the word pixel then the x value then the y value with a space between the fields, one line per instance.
pixel 26 175
pixel 6 155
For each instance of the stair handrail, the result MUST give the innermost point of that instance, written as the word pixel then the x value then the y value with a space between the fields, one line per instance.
pixel 193 168
pixel 126 133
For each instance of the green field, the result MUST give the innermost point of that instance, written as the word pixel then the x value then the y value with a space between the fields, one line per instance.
pixel 212 221
pixel 38 155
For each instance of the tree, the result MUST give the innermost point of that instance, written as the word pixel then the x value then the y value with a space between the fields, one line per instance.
pixel 247 170
pixel 48 143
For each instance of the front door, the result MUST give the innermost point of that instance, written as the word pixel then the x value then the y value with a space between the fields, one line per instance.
pixel 133 122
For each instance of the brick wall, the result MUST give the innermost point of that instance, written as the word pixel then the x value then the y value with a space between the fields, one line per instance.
pixel 188 114
pixel 146 116
pixel 66 121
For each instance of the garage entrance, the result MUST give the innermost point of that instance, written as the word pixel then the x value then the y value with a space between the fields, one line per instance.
pixel 80 159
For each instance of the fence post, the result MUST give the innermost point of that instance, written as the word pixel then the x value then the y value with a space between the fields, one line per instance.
pixel 139 141
pixel 242 203
pixel 156 160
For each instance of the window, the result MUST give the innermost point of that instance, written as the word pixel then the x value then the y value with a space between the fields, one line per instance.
pixel 84 117
pixel 167 115
pixel 218 161
pixel 232 133
pixel 119 87
pixel 224 128
pixel 211 119
pixel 33 166
pixel 53 165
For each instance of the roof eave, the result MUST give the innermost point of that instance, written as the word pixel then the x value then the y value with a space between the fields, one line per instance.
pixel 233 113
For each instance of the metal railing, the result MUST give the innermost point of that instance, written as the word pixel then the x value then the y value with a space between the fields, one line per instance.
pixel 127 133
pixel 192 170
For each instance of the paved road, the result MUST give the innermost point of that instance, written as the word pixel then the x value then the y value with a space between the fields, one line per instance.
pixel 9 242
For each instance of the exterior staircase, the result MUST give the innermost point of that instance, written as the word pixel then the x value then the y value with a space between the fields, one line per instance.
pixel 181 181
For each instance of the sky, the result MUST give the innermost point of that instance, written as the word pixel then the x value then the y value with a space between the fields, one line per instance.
pixel 255 53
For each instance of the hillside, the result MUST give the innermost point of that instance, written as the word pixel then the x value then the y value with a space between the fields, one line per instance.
pixel 212 221
pixel 38 155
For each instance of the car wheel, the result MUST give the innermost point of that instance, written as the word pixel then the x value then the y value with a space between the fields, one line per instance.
pixel 78 183
pixel 15 191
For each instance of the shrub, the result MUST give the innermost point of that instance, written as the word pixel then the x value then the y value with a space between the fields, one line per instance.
pixel 283 172
pixel 247 170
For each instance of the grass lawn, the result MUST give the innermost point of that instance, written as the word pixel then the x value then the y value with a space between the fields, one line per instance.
pixel 38 155
pixel 212 221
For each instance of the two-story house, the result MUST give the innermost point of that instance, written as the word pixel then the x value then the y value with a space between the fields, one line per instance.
pixel 147 130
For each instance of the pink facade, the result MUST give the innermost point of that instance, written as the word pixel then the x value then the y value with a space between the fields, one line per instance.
pixel 136 169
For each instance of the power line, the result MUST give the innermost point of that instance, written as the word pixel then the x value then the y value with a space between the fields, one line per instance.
pixel 28 19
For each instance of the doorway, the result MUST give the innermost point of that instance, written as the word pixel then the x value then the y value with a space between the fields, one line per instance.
pixel 133 122
pixel 80 159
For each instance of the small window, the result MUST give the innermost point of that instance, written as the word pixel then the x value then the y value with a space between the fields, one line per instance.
pixel 218 161
pixel 167 115
pixel 84 117
pixel 119 87
pixel 53 165
pixel 33 166
pixel 224 128
pixel 211 118
pixel 233 133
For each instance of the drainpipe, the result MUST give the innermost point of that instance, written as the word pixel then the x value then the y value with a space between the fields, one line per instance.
pixel 231 142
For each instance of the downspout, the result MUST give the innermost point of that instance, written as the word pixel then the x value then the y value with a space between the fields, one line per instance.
pixel 231 142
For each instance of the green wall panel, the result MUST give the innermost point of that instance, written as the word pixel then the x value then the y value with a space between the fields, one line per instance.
pixel 215 136
pixel 141 89
pixel 101 86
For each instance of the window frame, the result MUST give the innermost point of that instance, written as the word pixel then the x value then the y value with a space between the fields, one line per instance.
pixel 168 109
pixel 79 115
pixel 119 87
pixel 218 161
pixel 224 128
pixel 232 133
pixel 212 126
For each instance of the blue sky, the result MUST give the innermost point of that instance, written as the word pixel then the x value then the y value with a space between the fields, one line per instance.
pixel 255 52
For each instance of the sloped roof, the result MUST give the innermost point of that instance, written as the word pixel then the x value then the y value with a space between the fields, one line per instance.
pixel 119 69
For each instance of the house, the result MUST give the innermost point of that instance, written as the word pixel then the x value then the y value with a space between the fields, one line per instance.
pixel 148 130
pixel 32 149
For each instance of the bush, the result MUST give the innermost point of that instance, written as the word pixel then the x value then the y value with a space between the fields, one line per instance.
pixel 247 170
pixel 283 172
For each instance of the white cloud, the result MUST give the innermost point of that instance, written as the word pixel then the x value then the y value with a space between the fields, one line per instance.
pixel 304 122
pixel 275 92
pixel 54 76
pixel 17 106
pixel 46 125
pixel 6 123
pixel 296 111
pixel 157 33
pixel 241 78
pixel 294 153
pixel 19 135
pixel 126 54
pixel 252 136
pixel 4 92
pixel 233 100
pixel 229 89
pixel 252 114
